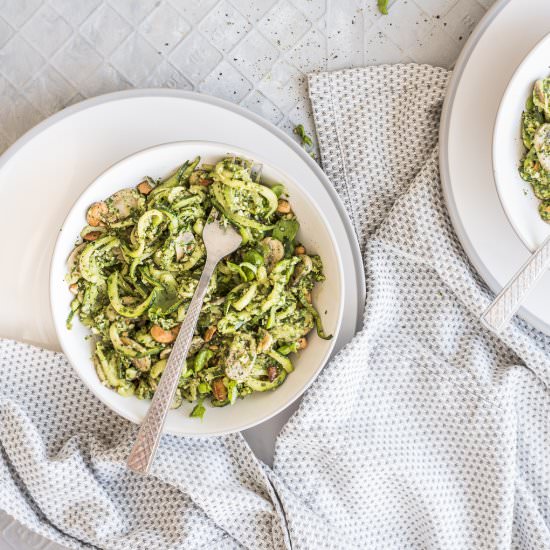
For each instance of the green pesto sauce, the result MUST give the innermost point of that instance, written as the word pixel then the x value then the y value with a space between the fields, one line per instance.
pixel 136 280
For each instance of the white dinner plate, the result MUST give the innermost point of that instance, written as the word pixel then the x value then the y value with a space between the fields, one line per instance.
pixel 509 30
pixel 517 197
pixel 45 171
pixel 315 234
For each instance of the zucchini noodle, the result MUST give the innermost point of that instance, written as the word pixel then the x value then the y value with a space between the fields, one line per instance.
pixel 137 263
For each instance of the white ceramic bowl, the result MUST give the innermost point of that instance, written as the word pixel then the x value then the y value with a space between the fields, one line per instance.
pixel 516 195
pixel 315 233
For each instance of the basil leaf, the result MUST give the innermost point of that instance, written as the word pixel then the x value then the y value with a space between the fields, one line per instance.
pixel 286 229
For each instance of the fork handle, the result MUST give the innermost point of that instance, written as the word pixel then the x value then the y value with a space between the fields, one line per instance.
pixel 505 305
pixel 148 438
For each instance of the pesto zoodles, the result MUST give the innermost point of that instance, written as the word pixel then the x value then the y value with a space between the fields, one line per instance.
pixel 535 132
pixel 136 266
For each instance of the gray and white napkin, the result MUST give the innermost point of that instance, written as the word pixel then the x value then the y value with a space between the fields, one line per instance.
pixel 426 431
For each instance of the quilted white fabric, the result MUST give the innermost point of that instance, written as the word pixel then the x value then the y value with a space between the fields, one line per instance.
pixel 426 431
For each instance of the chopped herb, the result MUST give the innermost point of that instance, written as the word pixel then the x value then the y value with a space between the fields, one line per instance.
pixel 301 133
pixel 307 142
pixel 383 6
pixel 198 411
pixel 286 229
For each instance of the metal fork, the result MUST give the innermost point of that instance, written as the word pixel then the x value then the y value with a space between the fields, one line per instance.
pixel 504 306
pixel 219 242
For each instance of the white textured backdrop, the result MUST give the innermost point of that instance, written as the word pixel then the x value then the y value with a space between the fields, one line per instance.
pixel 254 52
pixel 54 53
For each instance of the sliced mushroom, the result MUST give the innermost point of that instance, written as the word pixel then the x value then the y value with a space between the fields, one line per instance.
pixel 238 370
pixel 272 373
pixel 276 251
pixel 123 203
pixel 241 358
pixel 72 260
pixel 184 244
pixel 142 363
pixel 541 142
pixel 265 343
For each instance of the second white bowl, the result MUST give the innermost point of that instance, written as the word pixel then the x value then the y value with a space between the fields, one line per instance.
pixel 516 195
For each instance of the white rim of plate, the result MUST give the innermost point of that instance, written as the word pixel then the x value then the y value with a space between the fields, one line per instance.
pixel 299 391
pixel 447 187
pixel 444 169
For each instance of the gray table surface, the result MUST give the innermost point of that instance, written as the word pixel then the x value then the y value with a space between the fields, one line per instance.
pixel 256 53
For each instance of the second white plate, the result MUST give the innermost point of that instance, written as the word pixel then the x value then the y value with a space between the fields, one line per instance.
pixel 494 51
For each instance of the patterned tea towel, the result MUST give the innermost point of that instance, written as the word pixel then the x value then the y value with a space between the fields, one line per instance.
pixel 426 431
